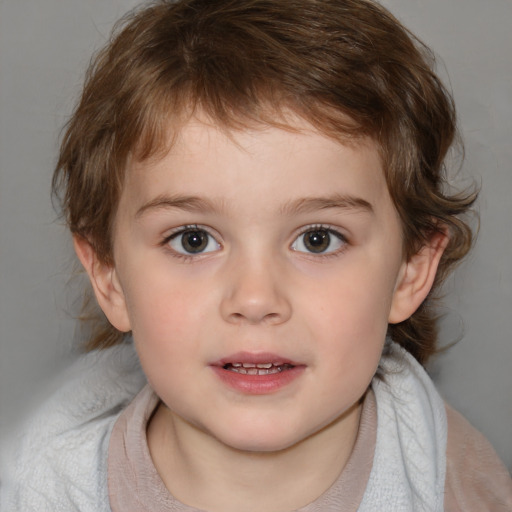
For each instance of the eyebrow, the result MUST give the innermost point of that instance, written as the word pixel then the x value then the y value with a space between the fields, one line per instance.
pixel 302 205
pixel 336 201
pixel 188 203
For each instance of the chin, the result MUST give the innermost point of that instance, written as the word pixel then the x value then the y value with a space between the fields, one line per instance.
pixel 255 440
pixel 261 445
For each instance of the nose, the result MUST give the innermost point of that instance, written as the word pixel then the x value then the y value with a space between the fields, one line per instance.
pixel 255 293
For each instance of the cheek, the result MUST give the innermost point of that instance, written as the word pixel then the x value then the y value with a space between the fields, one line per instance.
pixel 349 318
pixel 165 332
pixel 354 302
pixel 164 299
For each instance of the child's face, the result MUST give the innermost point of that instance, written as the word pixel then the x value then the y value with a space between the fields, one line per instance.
pixel 270 247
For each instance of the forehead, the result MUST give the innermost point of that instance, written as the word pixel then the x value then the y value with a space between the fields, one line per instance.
pixel 272 164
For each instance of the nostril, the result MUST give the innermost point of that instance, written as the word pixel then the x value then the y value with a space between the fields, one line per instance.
pixel 255 301
pixel 255 318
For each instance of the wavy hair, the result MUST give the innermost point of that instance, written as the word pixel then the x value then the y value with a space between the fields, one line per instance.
pixel 346 66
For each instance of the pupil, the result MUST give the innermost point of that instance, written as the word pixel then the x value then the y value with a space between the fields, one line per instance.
pixel 194 241
pixel 317 241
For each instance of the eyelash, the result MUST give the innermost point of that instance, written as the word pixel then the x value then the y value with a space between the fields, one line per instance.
pixel 308 229
pixel 180 231
pixel 331 231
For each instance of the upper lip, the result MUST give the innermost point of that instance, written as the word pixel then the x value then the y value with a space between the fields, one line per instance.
pixel 255 358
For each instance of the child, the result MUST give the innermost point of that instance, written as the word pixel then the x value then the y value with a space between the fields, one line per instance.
pixel 257 193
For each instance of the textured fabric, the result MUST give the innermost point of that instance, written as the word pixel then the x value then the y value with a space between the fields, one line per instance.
pixel 410 456
pixel 134 483
pixel 404 469
pixel 59 463
pixel 476 480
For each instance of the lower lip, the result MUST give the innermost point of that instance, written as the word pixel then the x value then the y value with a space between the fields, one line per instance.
pixel 258 384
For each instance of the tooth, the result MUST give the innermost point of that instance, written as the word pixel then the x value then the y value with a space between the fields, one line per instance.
pixel 258 369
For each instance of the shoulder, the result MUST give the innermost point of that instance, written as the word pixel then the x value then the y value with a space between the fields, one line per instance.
pixel 476 479
pixel 58 461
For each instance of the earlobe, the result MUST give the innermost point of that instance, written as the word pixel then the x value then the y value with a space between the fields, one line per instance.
pixel 105 283
pixel 416 278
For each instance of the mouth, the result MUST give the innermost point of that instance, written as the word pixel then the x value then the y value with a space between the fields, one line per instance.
pixel 257 374
pixel 257 368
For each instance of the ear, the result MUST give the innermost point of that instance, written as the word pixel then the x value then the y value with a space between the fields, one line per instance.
pixel 105 284
pixel 416 278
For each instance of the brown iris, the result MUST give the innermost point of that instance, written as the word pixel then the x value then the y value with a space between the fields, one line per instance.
pixel 194 241
pixel 317 240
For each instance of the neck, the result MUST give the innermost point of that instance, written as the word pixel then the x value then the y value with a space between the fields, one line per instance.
pixel 207 474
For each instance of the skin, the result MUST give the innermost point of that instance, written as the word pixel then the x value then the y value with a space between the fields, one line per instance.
pixel 258 196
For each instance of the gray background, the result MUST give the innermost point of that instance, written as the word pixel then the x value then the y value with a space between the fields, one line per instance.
pixel 45 46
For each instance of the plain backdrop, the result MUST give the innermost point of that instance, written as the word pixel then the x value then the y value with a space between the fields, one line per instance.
pixel 45 46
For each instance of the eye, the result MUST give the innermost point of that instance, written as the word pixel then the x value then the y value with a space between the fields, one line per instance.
pixel 192 240
pixel 319 241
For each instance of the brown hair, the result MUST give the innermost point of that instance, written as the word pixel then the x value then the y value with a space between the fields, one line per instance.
pixel 346 66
